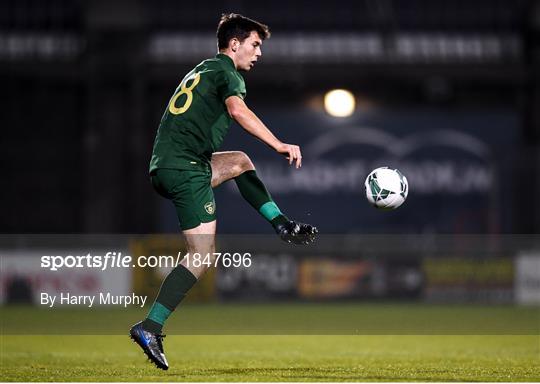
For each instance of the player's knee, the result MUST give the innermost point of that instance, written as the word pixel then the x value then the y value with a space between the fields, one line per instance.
pixel 243 163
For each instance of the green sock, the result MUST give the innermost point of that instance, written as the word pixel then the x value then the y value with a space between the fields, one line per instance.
pixel 253 190
pixel 172 292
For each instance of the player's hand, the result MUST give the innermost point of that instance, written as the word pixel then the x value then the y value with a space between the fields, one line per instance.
pixel 292 153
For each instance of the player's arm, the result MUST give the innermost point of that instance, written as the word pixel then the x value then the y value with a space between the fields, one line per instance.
pixel 244 116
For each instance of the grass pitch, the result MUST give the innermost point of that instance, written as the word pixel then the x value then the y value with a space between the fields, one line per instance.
pixel 273 357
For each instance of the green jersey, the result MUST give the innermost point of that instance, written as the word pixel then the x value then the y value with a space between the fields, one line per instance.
pixel 196 119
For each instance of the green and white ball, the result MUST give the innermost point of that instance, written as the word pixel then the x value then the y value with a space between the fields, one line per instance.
pixel 386 188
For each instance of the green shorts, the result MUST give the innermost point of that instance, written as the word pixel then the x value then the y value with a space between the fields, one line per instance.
pixel 191 193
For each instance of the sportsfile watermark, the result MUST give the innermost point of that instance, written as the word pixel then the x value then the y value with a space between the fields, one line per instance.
pixel 116 259
pixel 343 284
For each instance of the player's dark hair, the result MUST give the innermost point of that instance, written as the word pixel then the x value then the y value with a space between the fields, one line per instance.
pixel 233 25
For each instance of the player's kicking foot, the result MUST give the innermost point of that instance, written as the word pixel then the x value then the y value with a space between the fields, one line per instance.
pixel 297 233
pixel 151 344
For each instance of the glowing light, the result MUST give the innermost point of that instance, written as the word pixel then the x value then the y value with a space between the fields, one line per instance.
pixel 339 103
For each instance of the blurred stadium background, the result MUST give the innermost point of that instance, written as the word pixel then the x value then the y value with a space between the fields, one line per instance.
pixel 446 91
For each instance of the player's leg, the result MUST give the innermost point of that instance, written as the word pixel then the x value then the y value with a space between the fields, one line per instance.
pixel 238 166
pixel 181 279
pixel 174 288
pixel 192 195
pixel 229 165
pixel 200 240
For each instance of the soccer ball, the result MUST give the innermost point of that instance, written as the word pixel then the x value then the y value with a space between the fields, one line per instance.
pixel 386 188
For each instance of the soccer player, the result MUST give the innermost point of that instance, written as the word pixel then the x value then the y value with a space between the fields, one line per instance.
pixel 185 165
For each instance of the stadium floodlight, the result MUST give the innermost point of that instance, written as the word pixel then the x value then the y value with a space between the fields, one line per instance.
pixel 339 103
